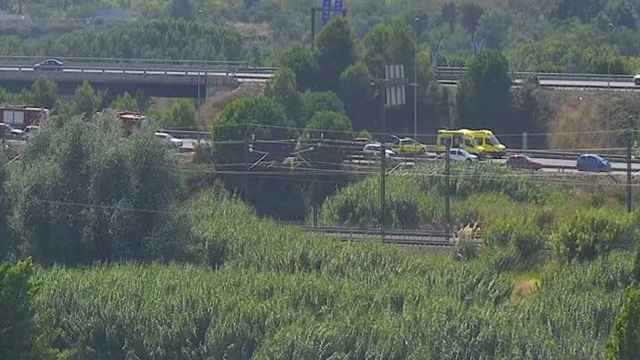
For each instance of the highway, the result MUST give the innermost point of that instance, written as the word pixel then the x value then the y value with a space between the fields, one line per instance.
pixel 240 76
pixel 244 72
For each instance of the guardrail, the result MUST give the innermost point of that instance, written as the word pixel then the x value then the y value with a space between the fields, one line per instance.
pixel 147 64
pixel 457 73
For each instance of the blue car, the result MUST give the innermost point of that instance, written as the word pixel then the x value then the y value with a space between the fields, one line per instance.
pixel 593 163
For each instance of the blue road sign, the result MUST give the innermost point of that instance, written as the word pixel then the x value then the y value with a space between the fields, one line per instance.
pixel 338 6
pixel 326 11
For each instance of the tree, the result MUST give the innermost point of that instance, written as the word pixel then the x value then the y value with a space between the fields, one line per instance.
pixel 86 193
pixel 484 96
pixel 358 95
pixel 389 44
pixel 471 14
pixel 493 28
pixel 622 13
pixel 303 63
pixel 4 207
pixel 125 102
pixel 180 115
pixel 329 125
pixel 16 314
pixel 336 51
pixel 624 342
pixel 44 93
pixel 449 14
pixel 315 102
pixel 259 115
pixel 86 100
pixel 283 90
pixel 182 8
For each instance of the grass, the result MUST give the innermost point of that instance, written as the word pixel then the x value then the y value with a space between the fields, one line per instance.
pixel 280 293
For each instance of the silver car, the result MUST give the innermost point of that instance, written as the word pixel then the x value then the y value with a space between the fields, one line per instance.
pixel 169 140
pixel 52 64
pixel 373 151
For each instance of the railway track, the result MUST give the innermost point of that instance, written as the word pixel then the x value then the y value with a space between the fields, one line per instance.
pixel 426 237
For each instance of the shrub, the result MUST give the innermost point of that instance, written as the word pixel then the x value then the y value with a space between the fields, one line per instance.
pixel 359 205
pixel 521 235
pixel 590 233
pixel 624 342
pixel 16 314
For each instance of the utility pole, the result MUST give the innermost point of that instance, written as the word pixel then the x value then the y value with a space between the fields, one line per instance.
pixel 415 80
pixel 629 140
pixel 383 197
pixel 447 203
pixel 247 168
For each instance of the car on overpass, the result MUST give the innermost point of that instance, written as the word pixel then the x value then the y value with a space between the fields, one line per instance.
pixel 523 162
pixel 636 79
pixel 52 64
pixel 592 163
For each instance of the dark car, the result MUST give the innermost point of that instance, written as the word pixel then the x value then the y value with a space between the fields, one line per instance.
pixel 49 65
pixel 593 163
pixel 523 162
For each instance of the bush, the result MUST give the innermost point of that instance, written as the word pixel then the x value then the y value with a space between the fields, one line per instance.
pixel 518 234
pixel 359 204
pixel 624 343
pixel 591 233
pixel 16 314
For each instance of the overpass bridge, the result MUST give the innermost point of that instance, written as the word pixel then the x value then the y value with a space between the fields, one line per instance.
pixel 452 76
pixel 161 78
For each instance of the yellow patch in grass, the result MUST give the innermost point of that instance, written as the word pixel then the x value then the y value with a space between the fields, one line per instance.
pixel 523 289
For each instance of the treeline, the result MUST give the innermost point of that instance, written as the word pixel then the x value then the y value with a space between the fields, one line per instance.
pixel 550 35
pixel 154 39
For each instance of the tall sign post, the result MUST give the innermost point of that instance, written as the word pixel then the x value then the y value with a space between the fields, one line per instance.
pixel 327 10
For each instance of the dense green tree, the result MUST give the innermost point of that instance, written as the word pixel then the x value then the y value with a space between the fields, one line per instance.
pixel 17 317
pixel 181 114
pixel 484 96
pixel 470 16
pixel 389 44
pixel 86 193
pixel 336 51
pixel 181 8
pixel 322 101
pixel 125 102
pixel 283 90
pixel 329 125
pixel 622 13
pixel 4 207
pixel 358 95
pixel 247 116
pixel 624 343
pixel 44 93
pixel 86 100
pixel 303 63
pixel 449 13
pixel 494 26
